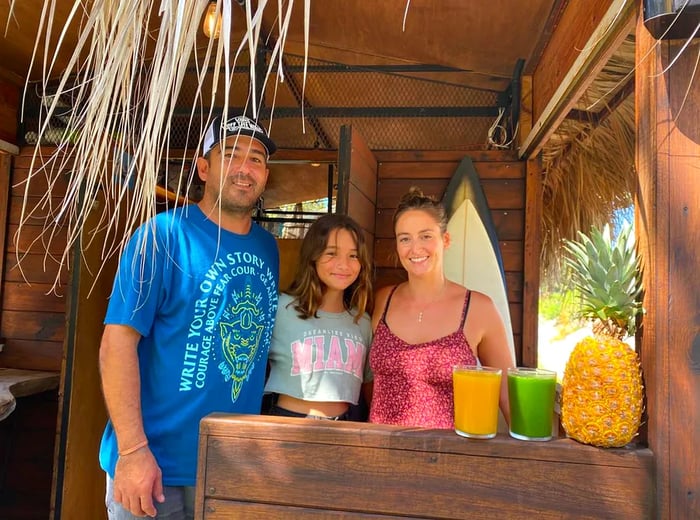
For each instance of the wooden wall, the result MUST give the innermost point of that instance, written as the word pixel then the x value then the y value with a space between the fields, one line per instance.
pixel 668 223
pixel 289 259
pixel 32 321
pixel 5 183
pixel 357 180
pixel 503 180
pixel 33 312
pixel 9 104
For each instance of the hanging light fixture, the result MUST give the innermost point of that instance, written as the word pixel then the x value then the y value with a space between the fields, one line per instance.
pixel 212 22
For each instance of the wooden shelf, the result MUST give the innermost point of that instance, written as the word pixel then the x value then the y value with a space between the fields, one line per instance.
pixel 19 383
pixel 165 194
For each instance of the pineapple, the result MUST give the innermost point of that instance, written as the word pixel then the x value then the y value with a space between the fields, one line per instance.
pixel 602 392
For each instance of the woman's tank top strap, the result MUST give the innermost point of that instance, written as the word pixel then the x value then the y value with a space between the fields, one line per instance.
pixel 388 301
pixel 465 309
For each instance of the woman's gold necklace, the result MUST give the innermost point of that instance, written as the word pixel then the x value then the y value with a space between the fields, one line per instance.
pixel 420 313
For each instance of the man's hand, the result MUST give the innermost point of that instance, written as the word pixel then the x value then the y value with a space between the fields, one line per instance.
pixel 137 482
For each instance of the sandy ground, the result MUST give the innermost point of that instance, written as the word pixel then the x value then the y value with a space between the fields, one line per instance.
pixel 553 349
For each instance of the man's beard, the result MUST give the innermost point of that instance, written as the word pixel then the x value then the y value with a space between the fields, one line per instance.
pixel 240 204
pixel 233 207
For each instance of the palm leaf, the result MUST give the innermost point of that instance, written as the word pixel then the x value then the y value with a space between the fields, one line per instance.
pixel 605 273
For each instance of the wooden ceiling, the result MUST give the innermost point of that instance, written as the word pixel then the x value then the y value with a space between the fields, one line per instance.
pixel 484 39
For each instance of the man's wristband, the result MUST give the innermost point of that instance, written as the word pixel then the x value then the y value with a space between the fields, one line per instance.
pixel 134 448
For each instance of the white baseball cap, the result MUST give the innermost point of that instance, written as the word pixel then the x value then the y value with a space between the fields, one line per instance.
pixel 221 128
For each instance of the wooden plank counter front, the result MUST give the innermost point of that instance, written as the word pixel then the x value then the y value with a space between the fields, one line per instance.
pixel 262 467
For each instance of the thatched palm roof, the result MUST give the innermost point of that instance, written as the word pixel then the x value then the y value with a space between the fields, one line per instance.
pixel 589 162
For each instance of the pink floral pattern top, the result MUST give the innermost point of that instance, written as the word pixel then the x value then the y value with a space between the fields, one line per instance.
pixel 413 382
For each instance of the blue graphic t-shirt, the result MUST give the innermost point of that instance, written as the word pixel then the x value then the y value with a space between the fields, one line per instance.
pixel 204 301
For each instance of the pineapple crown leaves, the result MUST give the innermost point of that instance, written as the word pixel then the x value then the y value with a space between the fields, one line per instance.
pixel 605 272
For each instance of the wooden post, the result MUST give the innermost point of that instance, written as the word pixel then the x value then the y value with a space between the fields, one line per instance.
pixel 668 223
pixel 5 164
pixel 532 265
pixel 78 479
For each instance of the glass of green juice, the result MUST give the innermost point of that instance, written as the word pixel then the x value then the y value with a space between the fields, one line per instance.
pixel 531 394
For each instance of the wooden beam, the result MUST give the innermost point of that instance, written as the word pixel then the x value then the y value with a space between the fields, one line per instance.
pixel 526 116
pixel 576 23
pixel 555 14
pixel 598 118
pixel 78 490
pixel 615 25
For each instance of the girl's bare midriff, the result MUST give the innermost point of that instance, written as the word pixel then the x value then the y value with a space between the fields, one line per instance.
pixel 325 409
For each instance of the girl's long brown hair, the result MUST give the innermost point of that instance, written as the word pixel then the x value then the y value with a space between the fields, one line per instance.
pixel 307 288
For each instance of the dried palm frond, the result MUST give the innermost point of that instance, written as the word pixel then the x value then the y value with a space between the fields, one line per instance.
pixel 124 77
pixel 587 179
pixel 588 164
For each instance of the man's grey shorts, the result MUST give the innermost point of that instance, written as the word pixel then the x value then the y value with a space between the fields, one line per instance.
pixel 178 505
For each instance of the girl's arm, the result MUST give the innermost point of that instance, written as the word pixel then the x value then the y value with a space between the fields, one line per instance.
pixel 367 389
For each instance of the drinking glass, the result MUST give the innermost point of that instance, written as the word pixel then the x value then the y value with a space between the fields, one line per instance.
pixel 476 392
pixel 531 394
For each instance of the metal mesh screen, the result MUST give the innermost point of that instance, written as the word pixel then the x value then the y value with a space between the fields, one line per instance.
pixel 394 107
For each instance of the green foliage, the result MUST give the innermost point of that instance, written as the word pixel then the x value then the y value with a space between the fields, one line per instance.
pixel 561 305
pixel 553 305
pixel 605 273
pixel 550 305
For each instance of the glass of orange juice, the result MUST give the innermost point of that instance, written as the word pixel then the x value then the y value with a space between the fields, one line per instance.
pixel 476 392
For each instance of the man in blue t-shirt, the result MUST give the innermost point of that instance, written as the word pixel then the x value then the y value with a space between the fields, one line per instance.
pixel 188 327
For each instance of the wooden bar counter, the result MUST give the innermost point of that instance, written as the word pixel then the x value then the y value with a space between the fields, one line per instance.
pixel 262 467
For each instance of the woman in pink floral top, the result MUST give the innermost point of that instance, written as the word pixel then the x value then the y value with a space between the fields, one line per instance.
pixel 425 326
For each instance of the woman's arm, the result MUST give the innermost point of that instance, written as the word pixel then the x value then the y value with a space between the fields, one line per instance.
pixel 380 300
pixel 379 303
pixel 492 346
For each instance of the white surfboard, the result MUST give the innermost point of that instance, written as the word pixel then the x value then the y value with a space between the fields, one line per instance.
pixel 474 258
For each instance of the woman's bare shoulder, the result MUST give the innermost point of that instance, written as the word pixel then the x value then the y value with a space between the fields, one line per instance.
pixel 482 304
pixel 481 298
pixel 380 300
pixel 382 295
